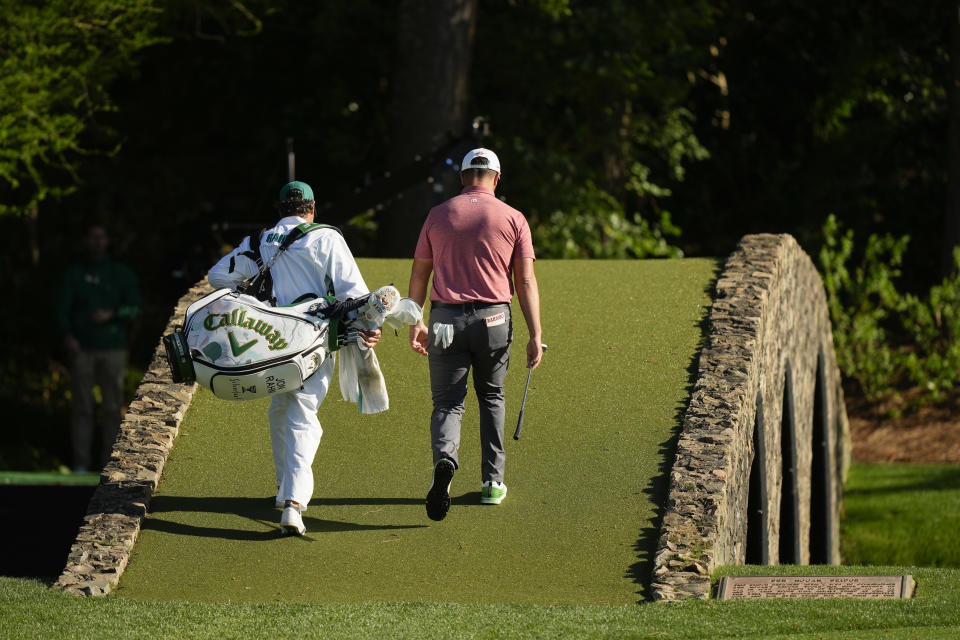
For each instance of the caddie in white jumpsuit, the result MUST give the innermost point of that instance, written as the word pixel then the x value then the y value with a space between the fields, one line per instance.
pixel 319 263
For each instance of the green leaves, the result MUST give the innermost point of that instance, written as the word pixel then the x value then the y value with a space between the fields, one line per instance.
pixel 886 339
pixel 57 58
pixel 591 110
pixel 596 226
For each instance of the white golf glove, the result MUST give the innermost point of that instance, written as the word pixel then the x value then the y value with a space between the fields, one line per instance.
pixel 442 334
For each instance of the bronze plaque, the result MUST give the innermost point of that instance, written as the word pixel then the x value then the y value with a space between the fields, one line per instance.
pixel 872 587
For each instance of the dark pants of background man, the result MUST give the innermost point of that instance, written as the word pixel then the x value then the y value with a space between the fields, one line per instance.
pixel 104 367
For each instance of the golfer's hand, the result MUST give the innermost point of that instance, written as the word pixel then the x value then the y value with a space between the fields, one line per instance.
pixel 418 337
pixel 370 338
pixel 534 354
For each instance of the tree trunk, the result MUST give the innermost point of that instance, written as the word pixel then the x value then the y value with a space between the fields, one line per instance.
pixel 430 86
pixel 32 220
pixel 951 237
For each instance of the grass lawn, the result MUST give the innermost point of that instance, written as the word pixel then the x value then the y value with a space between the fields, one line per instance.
pixel 29 610
pixel 586 478
pixel 905 514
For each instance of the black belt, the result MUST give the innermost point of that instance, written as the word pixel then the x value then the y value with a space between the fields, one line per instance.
pixel 466 307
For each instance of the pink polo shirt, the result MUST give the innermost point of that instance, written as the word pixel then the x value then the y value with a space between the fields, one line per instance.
pixel 473 239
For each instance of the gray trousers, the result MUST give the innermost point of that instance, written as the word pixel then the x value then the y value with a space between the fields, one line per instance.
pixel 103 367
pixel 481 340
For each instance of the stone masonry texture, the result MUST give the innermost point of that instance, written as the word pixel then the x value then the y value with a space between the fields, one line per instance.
pixel 121 500
pixel 769 345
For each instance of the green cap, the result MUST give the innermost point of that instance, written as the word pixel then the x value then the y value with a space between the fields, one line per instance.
pixel 289 191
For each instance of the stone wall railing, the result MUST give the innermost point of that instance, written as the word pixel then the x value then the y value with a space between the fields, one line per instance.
pixel 118 505
pixel 764 445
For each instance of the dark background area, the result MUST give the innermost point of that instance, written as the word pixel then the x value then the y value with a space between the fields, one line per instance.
pixel 732 117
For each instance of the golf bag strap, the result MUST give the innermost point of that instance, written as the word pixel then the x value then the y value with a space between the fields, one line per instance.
pixel 262 279
pixel 310 295
pixel 332 343
pixel 253 253
pixel 303 229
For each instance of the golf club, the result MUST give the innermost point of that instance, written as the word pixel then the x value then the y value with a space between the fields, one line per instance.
pixel 523 404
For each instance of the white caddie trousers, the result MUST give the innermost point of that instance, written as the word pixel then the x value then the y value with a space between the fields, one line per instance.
pixel 319 263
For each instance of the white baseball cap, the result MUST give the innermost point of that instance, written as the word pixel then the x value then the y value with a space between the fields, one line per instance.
pixel 480 159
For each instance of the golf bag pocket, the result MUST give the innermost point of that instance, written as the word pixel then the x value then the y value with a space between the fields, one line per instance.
pixel 178 356
pixel 234 385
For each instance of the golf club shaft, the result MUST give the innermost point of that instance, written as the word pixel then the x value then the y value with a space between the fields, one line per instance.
pixel 523 403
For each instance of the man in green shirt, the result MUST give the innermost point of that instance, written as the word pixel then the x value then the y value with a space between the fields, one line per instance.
pixel 98 298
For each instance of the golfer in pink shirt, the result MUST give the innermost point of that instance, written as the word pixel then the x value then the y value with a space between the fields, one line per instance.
pixel 478 249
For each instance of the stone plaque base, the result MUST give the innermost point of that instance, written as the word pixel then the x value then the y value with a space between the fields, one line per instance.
pixel 873 587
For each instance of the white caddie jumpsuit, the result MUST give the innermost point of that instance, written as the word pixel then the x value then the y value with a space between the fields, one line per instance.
pixel 319 263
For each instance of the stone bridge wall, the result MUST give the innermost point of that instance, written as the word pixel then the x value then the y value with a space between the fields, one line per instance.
pixel 121 500
pixel 764 447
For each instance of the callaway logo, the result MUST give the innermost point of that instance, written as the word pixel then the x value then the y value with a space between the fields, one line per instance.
pixel 239 348
pixel 238 318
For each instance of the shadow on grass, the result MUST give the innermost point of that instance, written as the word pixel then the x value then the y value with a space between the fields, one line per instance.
pixel 641 572
pixel 943 479
pixel 348 502
pixel 182 529
pixel 260 510
pixel 646 546
pixel 468 499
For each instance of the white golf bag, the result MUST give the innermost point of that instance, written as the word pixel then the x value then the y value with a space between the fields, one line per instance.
pixel 243 349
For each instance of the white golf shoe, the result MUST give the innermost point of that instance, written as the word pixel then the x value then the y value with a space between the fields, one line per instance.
pixel 278 503
pixel 291 522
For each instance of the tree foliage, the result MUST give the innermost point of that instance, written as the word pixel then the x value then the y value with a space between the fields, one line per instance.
pixel 888 340
pixel 58 58
pixel 589 104
pixel 829 107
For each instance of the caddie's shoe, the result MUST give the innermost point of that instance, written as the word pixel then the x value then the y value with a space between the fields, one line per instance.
pixel 438 498
pixel 291 522
pixel 492 492
pixel 278 503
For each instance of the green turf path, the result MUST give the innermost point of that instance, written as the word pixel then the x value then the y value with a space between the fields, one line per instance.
pixel 585 479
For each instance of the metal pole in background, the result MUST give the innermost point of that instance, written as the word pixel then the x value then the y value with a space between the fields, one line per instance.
pixel 291 161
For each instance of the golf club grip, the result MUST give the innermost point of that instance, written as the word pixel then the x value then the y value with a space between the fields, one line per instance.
pixel 516 434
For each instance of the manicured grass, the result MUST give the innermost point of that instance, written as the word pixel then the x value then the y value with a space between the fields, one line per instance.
pixel 902 514
pixel 48 478
pixel 29 610
pixel 586 479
